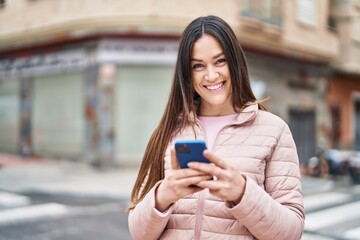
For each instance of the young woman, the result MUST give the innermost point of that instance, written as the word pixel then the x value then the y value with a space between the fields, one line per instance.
pixel 252 189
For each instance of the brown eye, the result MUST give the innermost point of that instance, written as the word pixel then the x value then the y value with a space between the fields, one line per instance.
pixel 221 61
pixel 197 66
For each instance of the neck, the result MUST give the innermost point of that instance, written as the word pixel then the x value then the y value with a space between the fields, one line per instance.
pixel 216 111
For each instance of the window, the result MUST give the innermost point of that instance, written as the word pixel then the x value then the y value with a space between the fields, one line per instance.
pixel 268 11
pixel 356 29
pixel 332 23
pixel 306 12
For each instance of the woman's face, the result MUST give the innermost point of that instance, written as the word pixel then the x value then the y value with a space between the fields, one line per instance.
pixel 211 77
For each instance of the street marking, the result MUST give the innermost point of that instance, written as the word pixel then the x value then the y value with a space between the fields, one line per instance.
pixel 13 200
pixel 352 233
pixel 324 199
pixel 356 189
pixel 11 216
pixel 329 217
pixel 307 236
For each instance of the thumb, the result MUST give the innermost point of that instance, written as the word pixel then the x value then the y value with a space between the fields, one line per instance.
pixel 174 161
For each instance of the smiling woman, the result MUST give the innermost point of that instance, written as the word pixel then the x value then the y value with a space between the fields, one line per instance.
pixel 252 188
pixel 211 77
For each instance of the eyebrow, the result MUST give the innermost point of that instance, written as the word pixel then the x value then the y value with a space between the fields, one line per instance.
pixel 216 56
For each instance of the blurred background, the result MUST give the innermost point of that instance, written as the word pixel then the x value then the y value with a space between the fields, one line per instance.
pixel 83 84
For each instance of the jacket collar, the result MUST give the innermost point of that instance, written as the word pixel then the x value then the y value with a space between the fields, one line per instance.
pixel 248 114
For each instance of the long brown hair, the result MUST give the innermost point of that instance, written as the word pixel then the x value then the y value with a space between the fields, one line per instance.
pixel 183 100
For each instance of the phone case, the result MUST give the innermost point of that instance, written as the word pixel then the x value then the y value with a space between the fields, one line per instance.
pixel 189 151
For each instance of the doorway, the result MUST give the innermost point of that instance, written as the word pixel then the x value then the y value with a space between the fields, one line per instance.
pixel 357 124
pixel 302 125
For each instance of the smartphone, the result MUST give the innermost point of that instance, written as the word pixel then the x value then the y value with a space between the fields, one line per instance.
pixel 190 151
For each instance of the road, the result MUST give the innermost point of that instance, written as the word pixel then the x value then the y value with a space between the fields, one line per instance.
pixel 330 215
pixel 32 216
pixel 333 214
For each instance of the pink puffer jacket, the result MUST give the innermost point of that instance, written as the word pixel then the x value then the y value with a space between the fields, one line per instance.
pixel 262 147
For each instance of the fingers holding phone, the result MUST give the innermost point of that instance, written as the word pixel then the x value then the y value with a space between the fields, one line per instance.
pixel 183 153
pixel 180 180
pixel 229 184
pixel 174 164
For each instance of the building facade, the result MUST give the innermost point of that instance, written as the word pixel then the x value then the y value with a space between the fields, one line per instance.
pixel 344 88
pixel 91 85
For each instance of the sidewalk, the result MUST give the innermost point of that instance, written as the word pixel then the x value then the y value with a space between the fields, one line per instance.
pixel 64 177
pixel 80 179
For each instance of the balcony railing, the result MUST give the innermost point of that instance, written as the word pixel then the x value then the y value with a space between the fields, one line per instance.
pixel 268 11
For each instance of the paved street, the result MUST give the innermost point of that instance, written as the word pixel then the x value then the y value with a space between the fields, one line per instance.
pixel 333 214
pixel 60 199
pixel 55 217
pixel 70 201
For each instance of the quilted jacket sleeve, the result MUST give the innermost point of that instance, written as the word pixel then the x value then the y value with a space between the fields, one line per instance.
pixel 145 221
pixel 276 212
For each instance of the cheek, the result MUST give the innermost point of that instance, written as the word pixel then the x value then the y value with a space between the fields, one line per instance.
pixel 225 71
pixel 193 82
pixel 196 79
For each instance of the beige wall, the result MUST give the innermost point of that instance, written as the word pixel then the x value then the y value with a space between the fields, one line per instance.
pixel 24 21
pixel 316 39
pixel 43 19
pixel 347 16
pixel 313 42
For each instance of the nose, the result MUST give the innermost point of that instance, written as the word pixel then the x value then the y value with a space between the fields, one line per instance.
pixel 211 75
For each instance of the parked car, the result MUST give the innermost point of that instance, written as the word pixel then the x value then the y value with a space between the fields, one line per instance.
pixel 354 167
pixel 338 162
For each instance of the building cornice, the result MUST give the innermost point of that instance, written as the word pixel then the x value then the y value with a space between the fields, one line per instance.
pixel 54 44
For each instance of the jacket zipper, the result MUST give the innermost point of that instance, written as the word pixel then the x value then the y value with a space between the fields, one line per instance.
pixel 201 201
pixel 199 215
pixel 201 205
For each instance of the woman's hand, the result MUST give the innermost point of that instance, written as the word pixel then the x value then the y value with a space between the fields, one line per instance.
pixel 229 184
pixel 177 184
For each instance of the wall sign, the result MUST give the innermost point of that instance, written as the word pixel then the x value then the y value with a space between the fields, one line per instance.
pixel 135 51
pixel 159 52
pixel 44 63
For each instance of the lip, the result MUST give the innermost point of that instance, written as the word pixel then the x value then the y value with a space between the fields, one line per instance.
pixel 215 87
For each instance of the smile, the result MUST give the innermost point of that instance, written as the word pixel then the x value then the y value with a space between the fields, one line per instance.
pixel 215 87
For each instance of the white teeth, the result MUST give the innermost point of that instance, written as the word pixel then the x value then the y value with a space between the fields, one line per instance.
pixel 214 87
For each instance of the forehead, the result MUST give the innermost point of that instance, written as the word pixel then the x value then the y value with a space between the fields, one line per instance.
pixel 206 45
